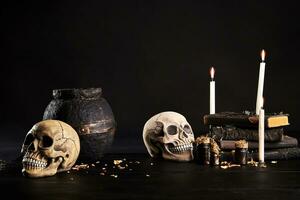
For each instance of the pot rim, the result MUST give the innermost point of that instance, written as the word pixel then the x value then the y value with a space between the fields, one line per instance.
pixel 82 93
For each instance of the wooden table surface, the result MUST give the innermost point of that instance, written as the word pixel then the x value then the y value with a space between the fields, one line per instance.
pixel 146 178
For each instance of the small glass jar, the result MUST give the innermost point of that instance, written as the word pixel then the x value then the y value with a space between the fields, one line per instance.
pixel 241 152
pixel 203 151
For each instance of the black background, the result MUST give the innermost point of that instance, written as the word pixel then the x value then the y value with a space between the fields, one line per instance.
pixel 148 57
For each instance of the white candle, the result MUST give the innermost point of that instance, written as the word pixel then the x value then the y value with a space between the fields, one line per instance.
pixel 261 135
pixel 212 101
pixel 260 82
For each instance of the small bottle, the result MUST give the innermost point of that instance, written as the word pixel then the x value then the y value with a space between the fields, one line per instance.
pixel 203 151
pixel 241 152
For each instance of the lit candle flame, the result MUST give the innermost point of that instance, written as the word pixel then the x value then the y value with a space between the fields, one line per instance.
pixel 263 55
pixel 212 72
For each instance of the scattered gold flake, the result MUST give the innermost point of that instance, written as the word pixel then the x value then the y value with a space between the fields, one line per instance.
pixel 105 165
pixel 147 175
pixel 93 165
pixel 104 169
pixel 151 164
pixel 121 167
pixel 114 175
pixel 274 161
pixel 130 169
pixel 81 166
pixel 102 174
pixel 226 165
pixel 98 162
pixel 137 162
pixel 84 166
pixel 68 172
pixel 262 165
pixel 72 179
pixel 117 162
pixel 252 162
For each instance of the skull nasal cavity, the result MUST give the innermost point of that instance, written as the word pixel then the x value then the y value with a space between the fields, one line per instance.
pixel 187 129
pixel 172 130
pixel 31 147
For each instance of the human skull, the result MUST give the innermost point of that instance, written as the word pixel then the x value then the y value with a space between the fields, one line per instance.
pixel 168 134
pixel 50 146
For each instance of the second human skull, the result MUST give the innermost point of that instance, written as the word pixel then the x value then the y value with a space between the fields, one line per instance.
pixel 50 146
pixel 169 135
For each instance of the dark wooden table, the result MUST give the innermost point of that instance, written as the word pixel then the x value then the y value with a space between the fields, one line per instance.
pixel 146 178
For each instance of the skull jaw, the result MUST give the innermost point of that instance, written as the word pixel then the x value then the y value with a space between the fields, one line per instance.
pixel 50 170
pixel 185 156
pixel 38 173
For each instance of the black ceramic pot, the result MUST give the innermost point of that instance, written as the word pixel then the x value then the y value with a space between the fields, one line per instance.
pixel 89 114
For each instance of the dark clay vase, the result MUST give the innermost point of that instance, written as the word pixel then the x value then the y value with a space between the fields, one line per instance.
pixel 89 114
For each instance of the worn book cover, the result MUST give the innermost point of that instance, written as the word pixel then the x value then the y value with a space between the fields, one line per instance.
pixel 246 119
pixel 286 142
pixel 236 133
pixel 270 154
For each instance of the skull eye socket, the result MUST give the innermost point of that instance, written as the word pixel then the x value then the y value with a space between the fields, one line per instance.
pixel 172 130
pixel 46 142
pixel 28 140
pixel 159 131
pixel 187 129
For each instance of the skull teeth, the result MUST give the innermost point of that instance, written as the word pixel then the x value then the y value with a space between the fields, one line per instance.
pixel 30 163
pixel 181 148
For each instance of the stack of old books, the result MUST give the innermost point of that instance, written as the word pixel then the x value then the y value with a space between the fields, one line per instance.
pixel 228 127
